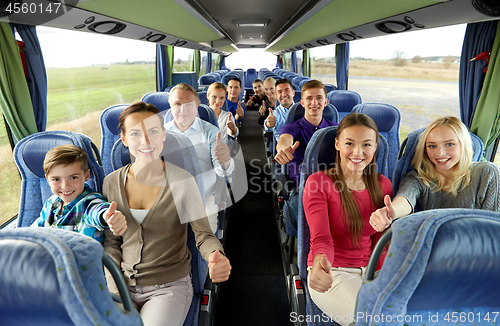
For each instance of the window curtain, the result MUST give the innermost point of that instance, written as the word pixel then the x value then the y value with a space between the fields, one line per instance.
pixel 293 68
pixel 342 62
pixel 164 66
pixel 486 119
pixel 209 62
pixel 306 63
pixel 36 73
pixel 278 62
pixel 196 63
pixel 15 100
pixel 223 62
pixel 479 37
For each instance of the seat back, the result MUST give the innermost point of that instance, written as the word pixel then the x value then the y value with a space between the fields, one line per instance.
pixel 344 101
pixel 436 265
pixel 296 112
pixel 158 99
pixel 110 133
pixel 55 277
pixel 407 152
pixel 204 113
pixel 250 76
pixel 207 79
pixel 388 120
pixel 29 155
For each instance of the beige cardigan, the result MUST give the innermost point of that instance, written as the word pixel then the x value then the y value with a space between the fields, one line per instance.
pixel 156 252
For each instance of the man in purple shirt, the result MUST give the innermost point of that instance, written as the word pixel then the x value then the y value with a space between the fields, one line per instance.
pixel 295 135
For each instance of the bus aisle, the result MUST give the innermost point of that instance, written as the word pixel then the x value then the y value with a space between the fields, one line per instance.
pixel 255 293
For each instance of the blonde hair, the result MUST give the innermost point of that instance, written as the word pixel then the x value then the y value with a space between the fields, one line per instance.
pixel 350 210
pixel 270 80
pixel 215 86
pixel 66 155
pixel 426 169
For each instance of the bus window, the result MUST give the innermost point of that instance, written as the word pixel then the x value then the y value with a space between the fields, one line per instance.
pixel 215 62
pixel 251 58
pixel 287 61
pixel 416 72
pixel 323 64
pixel 10 185
pixel 87 73
pixel 183 59
pixel 203 63
pixel 299 62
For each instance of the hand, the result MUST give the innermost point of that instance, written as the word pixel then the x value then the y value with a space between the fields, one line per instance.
pixel 231 125
pixel 320 278
pixel 222 152
pixel 382 218
pixel 240 113
pixel 219 267
pixel 285 155
pixel 116 220
pixel 262 109
pixel 271 119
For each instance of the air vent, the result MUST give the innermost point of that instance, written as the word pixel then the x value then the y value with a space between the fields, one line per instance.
pixel 487 7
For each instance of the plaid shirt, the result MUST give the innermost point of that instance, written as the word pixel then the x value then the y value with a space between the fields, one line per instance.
pixel 81 215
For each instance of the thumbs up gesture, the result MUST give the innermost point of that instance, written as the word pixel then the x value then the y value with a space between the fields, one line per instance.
pixel 115 220
pixel 231 126
pixel 271 119
pixel 222 152
pixel 383 217
pixel 240 113
pixel 285 155
pixel 219 267
pixel 320 279
pixel 262 109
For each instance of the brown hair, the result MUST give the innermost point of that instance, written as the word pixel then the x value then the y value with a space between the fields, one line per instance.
pixel 312 84
pixel 353 218
pixel 65 154
pixel 137 108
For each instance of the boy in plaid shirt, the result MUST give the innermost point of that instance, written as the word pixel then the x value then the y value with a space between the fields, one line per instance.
pixel 74 205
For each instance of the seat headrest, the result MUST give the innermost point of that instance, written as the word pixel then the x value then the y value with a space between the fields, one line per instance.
pixel 158 99
pixel 112 119
pixel 36 149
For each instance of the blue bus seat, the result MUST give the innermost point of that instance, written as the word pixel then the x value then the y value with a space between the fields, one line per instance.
pixel 388 120
pixel 110 133
pixel 207 79
pixel 407 152
pixel 444 261
pixel 344 101
pixel 29 154
pixel 250 76
pixel 158 99
pixel 330 87
pixel 187 77
pixel 55 277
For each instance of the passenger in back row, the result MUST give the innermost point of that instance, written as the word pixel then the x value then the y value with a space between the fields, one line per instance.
pixel 445 176
pixel 285 94
pixel 74 205
pixel 216 94
pixel 295 136
pixel 233 99
pixel 255 101
pixel 270 102
pixel 338 203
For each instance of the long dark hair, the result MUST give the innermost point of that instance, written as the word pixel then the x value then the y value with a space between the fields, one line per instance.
pixel 352 215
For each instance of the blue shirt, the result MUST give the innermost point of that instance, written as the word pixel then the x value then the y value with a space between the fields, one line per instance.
pixel 301 131
pixel 280 112
pixel 82 215
pixel 232 106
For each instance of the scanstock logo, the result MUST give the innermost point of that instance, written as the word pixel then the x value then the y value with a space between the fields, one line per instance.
pixel 36 12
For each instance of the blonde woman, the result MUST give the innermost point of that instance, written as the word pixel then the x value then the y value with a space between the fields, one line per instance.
pixel 216 95
pixel 270 102
pixel 445 176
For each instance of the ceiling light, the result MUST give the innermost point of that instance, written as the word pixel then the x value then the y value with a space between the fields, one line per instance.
pixel 251 22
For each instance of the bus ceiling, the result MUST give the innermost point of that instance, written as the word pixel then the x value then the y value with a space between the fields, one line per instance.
pixel 225 26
